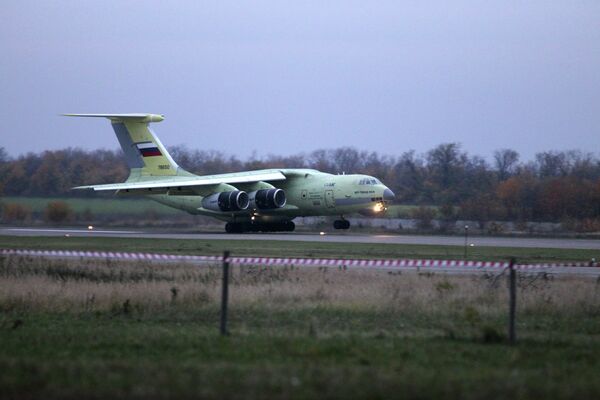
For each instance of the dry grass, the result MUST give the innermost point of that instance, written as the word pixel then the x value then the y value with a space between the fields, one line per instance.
pixel 93 329
pixel 82 286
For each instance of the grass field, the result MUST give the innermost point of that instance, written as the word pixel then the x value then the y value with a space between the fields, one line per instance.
pixel 96 329
pixel 296 249
pixel 401 211
pixel 97 205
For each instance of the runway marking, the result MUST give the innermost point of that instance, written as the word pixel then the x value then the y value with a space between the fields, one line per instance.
pixel 46 230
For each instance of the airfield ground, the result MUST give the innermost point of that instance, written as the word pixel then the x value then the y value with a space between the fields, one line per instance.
pixel 72 329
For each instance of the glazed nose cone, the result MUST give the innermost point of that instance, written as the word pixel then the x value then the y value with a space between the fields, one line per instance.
pixel 388 195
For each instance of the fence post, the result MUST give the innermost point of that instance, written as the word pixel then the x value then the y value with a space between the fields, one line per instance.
pixel 225 293
pixel 466 240
pixel 512 302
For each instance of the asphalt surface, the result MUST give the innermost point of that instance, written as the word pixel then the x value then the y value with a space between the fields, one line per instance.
pixel 316 237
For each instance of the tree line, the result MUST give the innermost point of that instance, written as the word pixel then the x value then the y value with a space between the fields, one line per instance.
pixel 554 186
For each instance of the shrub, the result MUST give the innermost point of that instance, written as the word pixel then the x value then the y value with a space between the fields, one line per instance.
pixel 582 225
pixel 86 215
pixel 495 228
pixel 57 211
pixel 424 216
pixel 444 287
pixel 490 334
pixel 448 218
pixel 15 212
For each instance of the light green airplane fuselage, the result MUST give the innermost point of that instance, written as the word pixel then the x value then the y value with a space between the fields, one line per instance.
pixel 308 192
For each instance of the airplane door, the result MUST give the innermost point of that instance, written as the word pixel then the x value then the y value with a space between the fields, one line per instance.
pixel 329 199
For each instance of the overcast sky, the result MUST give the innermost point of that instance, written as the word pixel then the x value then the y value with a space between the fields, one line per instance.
pixel 284 77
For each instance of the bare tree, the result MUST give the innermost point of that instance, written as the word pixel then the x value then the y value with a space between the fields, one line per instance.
pixel 505 161
pixel 408 177
pixel 446 171
pixel 348 160
pixel 552 164
pixel 4 157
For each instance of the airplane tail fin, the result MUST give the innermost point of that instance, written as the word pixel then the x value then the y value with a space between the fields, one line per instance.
pixel 144 153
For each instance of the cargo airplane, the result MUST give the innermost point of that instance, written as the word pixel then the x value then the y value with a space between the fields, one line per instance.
pixel 265 200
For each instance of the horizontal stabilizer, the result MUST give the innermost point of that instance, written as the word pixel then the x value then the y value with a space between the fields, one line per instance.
pixel 136 117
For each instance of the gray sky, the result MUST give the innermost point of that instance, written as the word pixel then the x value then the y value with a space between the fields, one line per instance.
pixel 284 77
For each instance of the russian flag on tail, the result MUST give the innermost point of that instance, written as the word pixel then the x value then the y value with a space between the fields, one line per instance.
pixel 148 149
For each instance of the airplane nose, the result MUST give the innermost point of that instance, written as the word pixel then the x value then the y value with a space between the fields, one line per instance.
pixel 388 195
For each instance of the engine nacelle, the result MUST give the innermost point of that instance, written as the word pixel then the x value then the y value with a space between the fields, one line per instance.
pixel 266 199
pixel 236 200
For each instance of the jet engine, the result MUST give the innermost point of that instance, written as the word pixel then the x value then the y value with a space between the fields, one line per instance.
pixel 235 200
pixel 266 199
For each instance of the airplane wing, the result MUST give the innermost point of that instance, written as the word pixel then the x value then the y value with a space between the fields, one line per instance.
pixel 187 184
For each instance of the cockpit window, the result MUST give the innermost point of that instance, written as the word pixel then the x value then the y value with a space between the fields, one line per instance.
pixel 369 181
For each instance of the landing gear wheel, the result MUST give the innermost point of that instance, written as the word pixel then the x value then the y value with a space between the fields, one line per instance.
pixel 341 224
pixel 288 226
pixel 241 227
pixel 284 226
pixel 234 227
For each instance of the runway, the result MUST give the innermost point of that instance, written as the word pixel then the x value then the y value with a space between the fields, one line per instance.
pixel 484 241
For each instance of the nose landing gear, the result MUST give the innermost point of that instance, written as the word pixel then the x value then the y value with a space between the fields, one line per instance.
pixel 341 224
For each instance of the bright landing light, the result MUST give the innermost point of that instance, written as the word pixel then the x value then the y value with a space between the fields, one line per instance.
pixel 378 207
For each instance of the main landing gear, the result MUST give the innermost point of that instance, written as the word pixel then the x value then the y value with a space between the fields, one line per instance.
pixel 341 224
pixel 241 227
